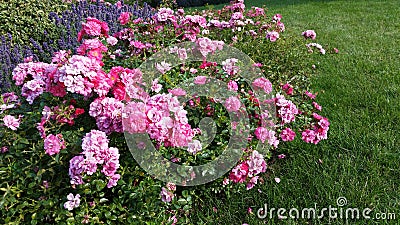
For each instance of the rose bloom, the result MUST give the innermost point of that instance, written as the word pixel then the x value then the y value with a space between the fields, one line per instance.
pixel 272 36
pixel 11 122
pixel 156 87
pixel 194 147
pixel 112 40
pixel 171 186
pixel 113 180
pixel 281 156
pixel 200 80
pixel 93 27
pixel 177 92
pixel 262 134
pixel 316 106
pixel 250 185
pixel 309 34
pixel 239 173
pixel 118 4
pixel 232 104
pixel 193 70
pixel 163 67
pixel 53 144
pixel 182 54
pixel 166 196
pixel 288 134
pixel 257 65
pixel 232 85
pixel 262 83
pixel 4 149
pixel 288 89
pixel 310 95
pixel 277 17
pixel 73 201
pixel 308 136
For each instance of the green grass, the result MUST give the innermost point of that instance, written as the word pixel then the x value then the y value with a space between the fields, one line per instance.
pixel 360 95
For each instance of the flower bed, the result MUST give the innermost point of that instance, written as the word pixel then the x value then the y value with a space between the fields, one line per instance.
pixel 70 135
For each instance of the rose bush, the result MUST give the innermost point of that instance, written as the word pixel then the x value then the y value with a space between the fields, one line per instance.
pixel 63 146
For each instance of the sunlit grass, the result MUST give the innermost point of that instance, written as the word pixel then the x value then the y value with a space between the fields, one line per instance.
pixel 359 92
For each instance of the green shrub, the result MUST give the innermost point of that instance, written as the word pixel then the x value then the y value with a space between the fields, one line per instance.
pixel 191 3
pixel 25 19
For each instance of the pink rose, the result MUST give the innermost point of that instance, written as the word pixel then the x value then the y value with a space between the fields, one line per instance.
pixel 277 17
pixel 177 92
pixel 316 106
pixel 257 64
pixel 53 144
pixel 308 136
pixel 232 85
pixel 11 122
pixel 163 67
pixel 112 40
pixel 309 34
pixel 166 196
pixel 262 83
pixel 193 70
pixel 272 36
pixel 288 134
pixel 113 180
pixel 310 95
pixel 124 18
pixel 194 147
pixel 118 4
pixel 232 104
pixel 239 173
pixel 182 53
pixel 288 89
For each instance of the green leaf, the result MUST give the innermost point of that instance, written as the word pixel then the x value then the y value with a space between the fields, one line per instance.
pixel 108 214
pixel 182 201
pixel 24 141
pixel 100 184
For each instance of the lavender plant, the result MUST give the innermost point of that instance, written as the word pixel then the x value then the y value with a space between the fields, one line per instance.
pixel 68 23
pixel 10 56
pixel 70 20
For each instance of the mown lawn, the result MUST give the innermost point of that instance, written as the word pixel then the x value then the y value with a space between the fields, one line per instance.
pixel 360 95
